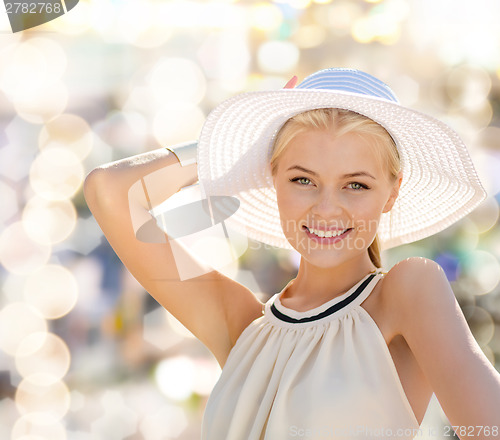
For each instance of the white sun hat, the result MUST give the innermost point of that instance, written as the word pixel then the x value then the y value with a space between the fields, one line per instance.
pixel 440 184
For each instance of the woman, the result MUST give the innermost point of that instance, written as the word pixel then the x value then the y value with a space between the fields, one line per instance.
pixel 332 168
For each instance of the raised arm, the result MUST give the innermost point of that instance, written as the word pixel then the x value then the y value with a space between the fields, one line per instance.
pixel 430 319
pixel 120 195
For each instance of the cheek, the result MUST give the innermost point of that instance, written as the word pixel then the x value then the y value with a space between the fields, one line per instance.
pixel 289 219
pixel 290 211
pixel 287 201
pixel 367 211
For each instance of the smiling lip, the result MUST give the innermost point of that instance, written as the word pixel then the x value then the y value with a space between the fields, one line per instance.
pixel 318 228
pixel 327 240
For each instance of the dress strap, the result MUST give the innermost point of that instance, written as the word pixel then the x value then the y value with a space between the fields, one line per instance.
pixel 354 296
pixel 374 279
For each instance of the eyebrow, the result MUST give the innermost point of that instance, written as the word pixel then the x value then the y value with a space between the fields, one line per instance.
pixel 355 174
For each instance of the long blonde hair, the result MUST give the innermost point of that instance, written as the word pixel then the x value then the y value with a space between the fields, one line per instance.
pixel 341 122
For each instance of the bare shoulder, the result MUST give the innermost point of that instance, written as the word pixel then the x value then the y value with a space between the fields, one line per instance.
pixel 409 273
pixel 414 286
pixel 414 276
pixel 426 313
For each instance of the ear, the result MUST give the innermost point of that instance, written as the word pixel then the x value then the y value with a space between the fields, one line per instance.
pixel 394 193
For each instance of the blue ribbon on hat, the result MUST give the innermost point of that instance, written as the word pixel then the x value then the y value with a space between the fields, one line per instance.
pixel 350 81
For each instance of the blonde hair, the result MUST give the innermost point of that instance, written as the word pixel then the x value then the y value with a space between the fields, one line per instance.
pixel 341 122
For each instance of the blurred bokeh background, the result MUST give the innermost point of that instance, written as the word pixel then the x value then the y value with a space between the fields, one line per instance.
pixel 85 353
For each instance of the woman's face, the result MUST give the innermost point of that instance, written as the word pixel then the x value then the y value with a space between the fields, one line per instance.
pixel 332 186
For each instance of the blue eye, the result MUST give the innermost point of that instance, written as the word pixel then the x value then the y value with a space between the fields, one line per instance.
pixel 301 180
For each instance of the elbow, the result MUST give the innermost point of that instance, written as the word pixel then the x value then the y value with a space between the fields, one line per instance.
pixel 90 186
pixel 97 189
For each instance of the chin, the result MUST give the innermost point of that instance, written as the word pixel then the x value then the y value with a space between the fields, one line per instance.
pixel 331 258
pixel 325 256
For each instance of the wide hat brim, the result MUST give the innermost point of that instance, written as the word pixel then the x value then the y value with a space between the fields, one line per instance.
pixel 440 184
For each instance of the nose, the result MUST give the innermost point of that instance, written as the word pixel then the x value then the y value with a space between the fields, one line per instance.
pixel 328 205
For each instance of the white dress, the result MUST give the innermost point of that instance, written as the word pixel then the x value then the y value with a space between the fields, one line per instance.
pixel 325 373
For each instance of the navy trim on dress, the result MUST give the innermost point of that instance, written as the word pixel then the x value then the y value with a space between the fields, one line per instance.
pixel 328 311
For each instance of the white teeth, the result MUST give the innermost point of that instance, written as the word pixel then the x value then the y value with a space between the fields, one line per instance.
pixel 326 234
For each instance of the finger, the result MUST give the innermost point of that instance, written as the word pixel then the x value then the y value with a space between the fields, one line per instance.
pixel 291 83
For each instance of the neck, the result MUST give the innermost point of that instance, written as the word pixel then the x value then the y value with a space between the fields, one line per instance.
pixel 316 285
